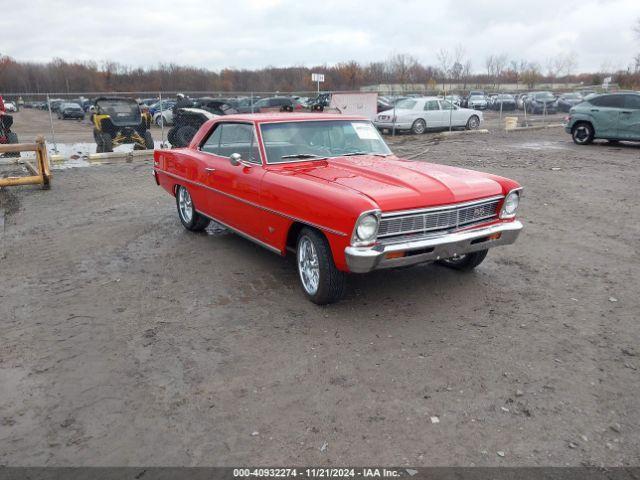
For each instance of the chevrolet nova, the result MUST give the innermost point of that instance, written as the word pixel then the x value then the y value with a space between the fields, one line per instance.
pixel 327 188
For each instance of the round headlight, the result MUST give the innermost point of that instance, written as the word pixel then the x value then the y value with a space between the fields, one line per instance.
pixel 367 228
pixel 510 205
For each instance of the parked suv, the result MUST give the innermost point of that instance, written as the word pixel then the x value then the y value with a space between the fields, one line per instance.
pixel 613 116
pixel 541 102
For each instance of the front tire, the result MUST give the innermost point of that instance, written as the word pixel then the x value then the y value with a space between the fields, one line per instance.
pixel 465 263
pixel 418 127
pixel 191 220
pixel 582 133
pixel 104 143
pixel 473 123
pixel 321 281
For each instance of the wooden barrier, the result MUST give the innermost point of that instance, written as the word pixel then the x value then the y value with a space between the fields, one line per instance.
pixel 40 173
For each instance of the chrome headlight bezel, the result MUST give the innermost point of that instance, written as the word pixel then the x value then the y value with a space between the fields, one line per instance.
pixel 511 203
pixel 359 238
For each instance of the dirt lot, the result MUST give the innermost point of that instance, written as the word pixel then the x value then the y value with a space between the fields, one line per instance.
pixel 128 341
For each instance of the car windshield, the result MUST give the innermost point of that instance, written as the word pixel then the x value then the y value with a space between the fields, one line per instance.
pixel 544 96
pixel 476 97
pixel 73 106
pixel 315 140
pixel 407 103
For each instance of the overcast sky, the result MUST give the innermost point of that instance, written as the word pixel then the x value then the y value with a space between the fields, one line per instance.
pixel 257 33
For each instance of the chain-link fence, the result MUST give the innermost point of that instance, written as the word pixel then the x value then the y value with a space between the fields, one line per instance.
pixel 88 123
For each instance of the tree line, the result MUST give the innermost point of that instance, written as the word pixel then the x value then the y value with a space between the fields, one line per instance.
pixel 454 67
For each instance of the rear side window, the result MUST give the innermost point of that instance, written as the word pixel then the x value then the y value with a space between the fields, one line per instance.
pixel 610 101
pixel 212 144
pixel 431 105
pixel 239 138
pixel 632 102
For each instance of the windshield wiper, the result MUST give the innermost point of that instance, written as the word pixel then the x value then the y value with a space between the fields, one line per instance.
pixel 302 155
pixel 351 154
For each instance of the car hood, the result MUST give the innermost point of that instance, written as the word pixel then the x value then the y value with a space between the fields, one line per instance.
pixel 398 184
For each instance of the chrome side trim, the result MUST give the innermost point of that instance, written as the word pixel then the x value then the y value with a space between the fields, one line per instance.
pixel 441 207
pixel 295 219
pixel 242 234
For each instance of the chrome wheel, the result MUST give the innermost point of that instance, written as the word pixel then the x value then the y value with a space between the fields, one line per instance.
pixel 308 266
pixel 185 205
pixel 419 126
pixel 473 123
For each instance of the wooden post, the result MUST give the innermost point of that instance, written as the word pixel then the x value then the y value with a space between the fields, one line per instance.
pixel 41 174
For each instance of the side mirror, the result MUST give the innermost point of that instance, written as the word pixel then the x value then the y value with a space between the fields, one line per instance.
pixel 235 159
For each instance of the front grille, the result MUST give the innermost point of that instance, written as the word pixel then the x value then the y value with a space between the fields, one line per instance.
pixel 439 219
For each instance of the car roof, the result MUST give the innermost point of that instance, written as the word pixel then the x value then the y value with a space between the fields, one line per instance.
pixel 285 116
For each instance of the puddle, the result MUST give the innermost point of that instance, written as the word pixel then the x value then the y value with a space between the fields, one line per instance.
pixel 542 146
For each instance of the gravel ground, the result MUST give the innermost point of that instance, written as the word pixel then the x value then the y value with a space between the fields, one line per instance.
pixel 128 341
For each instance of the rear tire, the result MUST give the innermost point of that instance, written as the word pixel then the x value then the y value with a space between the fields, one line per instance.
pixel 465 263
pixel 418 127
pixel 189 217
pixel 582 133
pixel 148 140
pixel 321 281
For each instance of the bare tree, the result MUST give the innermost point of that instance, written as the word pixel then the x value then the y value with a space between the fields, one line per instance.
pixel 444 61
pixel 570 65
pixel 499 64
pixel 531 75
pixel 489 64
pixel 466 73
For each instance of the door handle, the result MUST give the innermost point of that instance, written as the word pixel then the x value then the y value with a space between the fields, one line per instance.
pixel 209 169
pixel 625 111
pixel 595 110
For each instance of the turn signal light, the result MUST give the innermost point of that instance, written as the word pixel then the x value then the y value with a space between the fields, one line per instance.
pixel 495 236
pixel 391 255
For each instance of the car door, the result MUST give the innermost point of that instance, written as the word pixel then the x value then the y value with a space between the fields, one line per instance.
pixel 451 114
pixel 235 189
pixel 605 113
pixel 433 114
pixel 629 118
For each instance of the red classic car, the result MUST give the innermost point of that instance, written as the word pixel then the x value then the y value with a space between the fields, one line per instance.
pixel 328 188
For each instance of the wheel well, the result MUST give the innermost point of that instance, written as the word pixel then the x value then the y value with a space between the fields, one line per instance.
pixel 294 231
pixel 583 121
pixel 292 235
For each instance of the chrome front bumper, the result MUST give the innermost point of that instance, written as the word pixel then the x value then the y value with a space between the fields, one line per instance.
pixel 430 249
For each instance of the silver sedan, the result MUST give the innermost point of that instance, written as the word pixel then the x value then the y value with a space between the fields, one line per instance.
pixel 419 114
